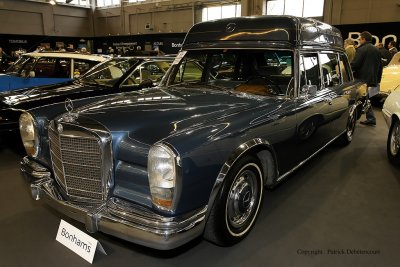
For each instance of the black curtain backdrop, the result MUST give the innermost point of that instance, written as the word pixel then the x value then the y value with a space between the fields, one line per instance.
pixel 384 32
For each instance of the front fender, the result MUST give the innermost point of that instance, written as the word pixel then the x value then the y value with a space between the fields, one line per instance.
pixel 207 155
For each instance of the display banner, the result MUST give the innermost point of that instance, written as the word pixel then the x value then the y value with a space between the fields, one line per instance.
pixel 381 32
pixel 79 242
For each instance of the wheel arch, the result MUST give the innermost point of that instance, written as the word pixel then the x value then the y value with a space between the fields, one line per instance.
pixel 257 147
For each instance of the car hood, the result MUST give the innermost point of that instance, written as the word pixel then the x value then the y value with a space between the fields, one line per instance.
pixel 22 97
pixel 390 78
pixel 152 114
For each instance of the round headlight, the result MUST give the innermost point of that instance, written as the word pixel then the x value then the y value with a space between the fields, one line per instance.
pixel 29 134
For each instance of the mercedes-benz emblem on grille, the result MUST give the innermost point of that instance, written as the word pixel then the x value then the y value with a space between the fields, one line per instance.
pixel 230 27
pixel 69 106
pixel 60 128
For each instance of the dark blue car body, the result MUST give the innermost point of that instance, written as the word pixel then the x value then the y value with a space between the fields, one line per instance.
pixel 191 157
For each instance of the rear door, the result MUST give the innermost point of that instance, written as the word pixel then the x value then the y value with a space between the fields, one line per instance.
pixel 339 91
pixel 312 108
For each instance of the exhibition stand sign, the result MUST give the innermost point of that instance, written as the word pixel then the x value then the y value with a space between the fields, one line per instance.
pixel 79 242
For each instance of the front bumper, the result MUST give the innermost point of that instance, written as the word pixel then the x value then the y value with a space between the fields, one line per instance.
pixel 117 217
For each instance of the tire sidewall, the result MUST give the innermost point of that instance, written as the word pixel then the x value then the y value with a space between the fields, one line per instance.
pixel 228 233
pixel 352 121
pixel 394 159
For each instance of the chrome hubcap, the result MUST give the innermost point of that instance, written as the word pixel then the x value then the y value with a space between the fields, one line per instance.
pixel 242 198
pixel 350 127
pixel 395 139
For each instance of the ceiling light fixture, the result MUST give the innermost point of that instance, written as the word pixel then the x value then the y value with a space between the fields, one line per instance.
pixel 52 2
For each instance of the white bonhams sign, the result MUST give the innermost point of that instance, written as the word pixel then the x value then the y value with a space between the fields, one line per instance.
pixel 77 241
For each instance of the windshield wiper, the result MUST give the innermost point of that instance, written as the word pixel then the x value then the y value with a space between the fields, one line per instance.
pixel 219 87
pixel 201 86
pixel 89 82
pixel 31 91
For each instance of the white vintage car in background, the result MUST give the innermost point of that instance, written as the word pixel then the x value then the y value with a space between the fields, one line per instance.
pixel 391 113
pixel 391 76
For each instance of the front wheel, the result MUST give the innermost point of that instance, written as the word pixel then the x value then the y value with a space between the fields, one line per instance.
pixel 393 143
pixel 237 204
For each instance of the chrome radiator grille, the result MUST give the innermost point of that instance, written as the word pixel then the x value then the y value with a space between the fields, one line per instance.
pixel 77 163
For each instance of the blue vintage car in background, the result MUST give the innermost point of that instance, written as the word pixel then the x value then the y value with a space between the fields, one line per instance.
pixel 191 157
pixel 115 75
pixel 45 68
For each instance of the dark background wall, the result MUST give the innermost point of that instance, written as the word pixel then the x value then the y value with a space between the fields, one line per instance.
pixel 382 32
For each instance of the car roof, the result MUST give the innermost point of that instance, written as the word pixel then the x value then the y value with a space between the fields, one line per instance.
pixel 295 31
pixel 98 58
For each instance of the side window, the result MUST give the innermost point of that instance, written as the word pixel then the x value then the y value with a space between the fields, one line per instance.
pixel 44 67
pixel 27 67
pixel 62 68
pixel 190 72
pixel 154 71
pixel 330 69
pixel 309 70
pixel 82 66
pixel 345 68
pixel 52 68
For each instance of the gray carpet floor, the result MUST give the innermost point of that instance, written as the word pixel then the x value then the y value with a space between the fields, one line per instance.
pixel 341 209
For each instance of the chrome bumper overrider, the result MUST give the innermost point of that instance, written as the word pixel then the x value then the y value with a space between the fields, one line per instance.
pixel 117 217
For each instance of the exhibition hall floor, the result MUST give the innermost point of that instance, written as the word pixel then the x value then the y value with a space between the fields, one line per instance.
pixel 340 209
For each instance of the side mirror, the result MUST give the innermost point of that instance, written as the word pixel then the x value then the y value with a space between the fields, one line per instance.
pixel 308 90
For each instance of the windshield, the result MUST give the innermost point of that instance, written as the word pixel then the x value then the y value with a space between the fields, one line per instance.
pixel 21 65
pixel 151 69
pixel 252 71
pixel 109 72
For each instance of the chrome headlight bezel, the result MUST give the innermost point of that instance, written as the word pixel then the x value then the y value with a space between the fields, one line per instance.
pixel 29 134
pixel 163 168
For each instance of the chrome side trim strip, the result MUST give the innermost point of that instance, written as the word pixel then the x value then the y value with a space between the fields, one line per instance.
pixel 280 178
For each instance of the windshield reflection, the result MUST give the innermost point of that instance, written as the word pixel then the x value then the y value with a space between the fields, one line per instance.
pixel 260 72
pixel 109 72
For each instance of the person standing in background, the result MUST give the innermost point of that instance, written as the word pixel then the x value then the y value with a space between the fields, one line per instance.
pixel 385 54
pixel 392 48
pixel 350 49
pixel 367 66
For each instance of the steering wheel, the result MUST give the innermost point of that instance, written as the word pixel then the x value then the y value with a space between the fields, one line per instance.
pixel 271 86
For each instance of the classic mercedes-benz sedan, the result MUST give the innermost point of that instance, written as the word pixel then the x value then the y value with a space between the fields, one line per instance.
pixel 112 76
pixel 45 68
pixel 245 103
pixel 391 113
